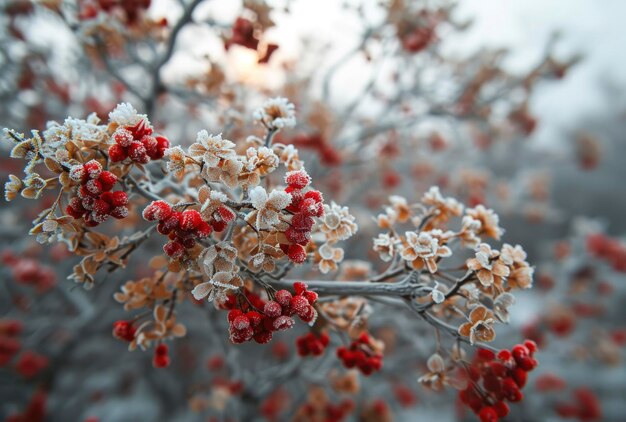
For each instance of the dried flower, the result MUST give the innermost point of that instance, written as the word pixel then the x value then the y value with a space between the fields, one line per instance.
pixel 329 258
pixel 439 376
pixel 489 221
pixel 423 250
pixel 489 267
pixel 384 244
pixel 276 113
pixel 268 207
pixel 338 223
pixel 480 327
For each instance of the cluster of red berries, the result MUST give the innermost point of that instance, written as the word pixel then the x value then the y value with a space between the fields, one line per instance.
pixel 330 412
pixel 30 364
pixel 246 324
pixel 182 228
pixel 361 354
pixel 29 271
pixel 138 144
pixel 95 201
pixel 304 206
pixel 35 409
pixel 312 344
pixel 9 344
pixel 585 406
pixel 124 330
pixel 503 376
pixel 161 357
pixel 608 249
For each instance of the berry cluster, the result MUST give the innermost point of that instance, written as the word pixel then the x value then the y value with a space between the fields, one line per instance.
pixel 30 364
pixel 610 250
pixel 584 406
pixel 95 201
pixel 503 376
pixel 312 344
pixel 329 412
pixel 304 206
pixel 246 324
pixel 182 228
pixel 35 410
pixel 161 357
pixel 29 271
pixel 9 344
pixel 124 330
pixel 361 355
pixel 138 144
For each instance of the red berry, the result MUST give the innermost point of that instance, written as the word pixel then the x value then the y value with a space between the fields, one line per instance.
pixel 190 219
pixel 117 153
pixel 119 212
pixel 501 408
pixel 315 195
pixel 283 297
pixel 93 169
pixel 302 222
pixel 241 323
pixel 488 414
pixel 263 337
pixel 272 309
pixel 161 361
pixel 300 287
pixel 78 173
pixel 119 198
pixel 123 137
pixel 157 210
pixel 161 349
pixel 310 296
pixel 107 180
pixel 486 354
pixel 137 152
pixel 124 330
pixel 283 323
pixel 296 254
pixel 234 314
pixel 174 249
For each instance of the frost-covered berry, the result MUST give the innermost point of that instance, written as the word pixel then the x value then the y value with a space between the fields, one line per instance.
pixel 283 323
pixel 272 309
pixel 296 254
pixel 157 210
pixel 107 180
pixel 297 179
pixel 174 249
pixel 123 137
pixel 117 153
pixel 242 322
pixel 263 337
pixel 78 173
pixel 283 297
pixel 190 220
pixel 93 169
pixel 119 212
pixel 137 152
pixel 299 304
